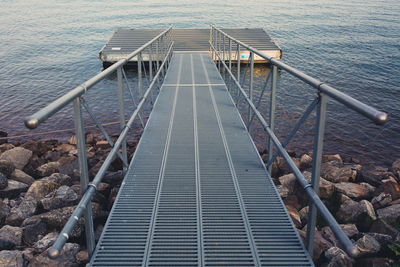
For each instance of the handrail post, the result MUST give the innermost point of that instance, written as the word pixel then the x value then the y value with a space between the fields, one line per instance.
pixel 230 62
pixel 122 113
pixel 316 169
pixel 151 70
pixel 251 88
pixel 219 51
pixel 238 68
pixel 139 61
pixel 223 53
pixel 158 64
pixel 83 172
pixel 272 113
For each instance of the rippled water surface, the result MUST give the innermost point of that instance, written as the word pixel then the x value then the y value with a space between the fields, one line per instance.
pixel 49 47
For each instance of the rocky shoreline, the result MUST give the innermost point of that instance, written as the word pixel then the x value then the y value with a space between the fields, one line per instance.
pixel 39 189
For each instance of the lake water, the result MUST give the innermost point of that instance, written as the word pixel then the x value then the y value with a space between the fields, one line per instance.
pixel 49 47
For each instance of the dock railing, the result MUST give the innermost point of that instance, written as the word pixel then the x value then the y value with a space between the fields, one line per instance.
pixel 223 49
pixel 159 50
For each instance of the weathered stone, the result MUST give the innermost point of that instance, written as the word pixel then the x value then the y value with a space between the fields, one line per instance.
pixel 45 242
pixel 104 189
pixel 390 214
pixel 367 245
pixel 82 257
pixel 361 213
pixel 382 227
pixel 66 258
pixel 374 262
pixel 342 197
pixel 4 211
pixel 90 139
pixel 63 197
pixel 3 181
pixel 10 237
pixel 6 167
pixel 32 230
pixel 294 214
pixel 383 239
pixel 29 254
pixel 292 200
pixel 20 176
pixel 349 229
pixel 48 169
pixel 381 201
pixel 19 156
pixel 282 190
pixel 303 213
pixel 284 167
pixel 326 188
pixel 338 258
pixel 34 163
pixel 355 191
pixel 11 258
pixel 13 189
pixel 332 158
pixel 396 167
pixel 40 189
pixel 98 232
pixel 72 140
pixel 18 214
pixel 65 148
pixel 320 244
pixel 344 174
pixel 102 144
pixel 113 178
pixel 288 181
pixel 69 166
pixel 390 187
pixel 59 178
pixel 113 195
pixel 52 156
pixel 37 147
pixel 3 137
pixel 376 175
pixel 305 162
pixel 5 147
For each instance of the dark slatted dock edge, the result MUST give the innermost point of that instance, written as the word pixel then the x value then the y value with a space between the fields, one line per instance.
pixel 197 192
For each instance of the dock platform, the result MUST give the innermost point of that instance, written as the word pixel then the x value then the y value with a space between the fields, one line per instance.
pixel 197 192
pixel 124 41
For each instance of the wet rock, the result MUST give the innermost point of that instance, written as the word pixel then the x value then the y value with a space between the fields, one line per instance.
pixel 82 257
pixel 20 176
pixel 10 237
pixel 32 230
pixel 3 181
pixel 13 189
pixel 338 258
pixel 374 262
pixel 381 201
pixel 361 213
pixel 294 215
pixel 66 258
pixel 59 178
pixel 6 167
pixel 355 191
pixel 367 245
pixel 102 144
pixel 45 242
pixel 11 258
pixel 48 169
pixel 305 162
pixel 113 178
pixel 344 174
pixel 282 190
pixel 396 168
pixel 390 187
pixel 37 147
pixel 390 214
pixel 19 156
pixel 332 158
pixel 288 181
pixel 63 197
pixel 26 208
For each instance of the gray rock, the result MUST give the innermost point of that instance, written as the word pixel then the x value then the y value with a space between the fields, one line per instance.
pixel 37 147
pixel 33 229
pixel 390 186
pixel 63 197
pixel 82 257
pixel 5 147
pixel 6 167
pixel 66 258
pixel 367 245
pixel 20 176
pixel 48 169
pixel 382 227
pixel 390 214
pixel 10 258
pixel 375 262
pixel 326 188
pixel 59 178
pixel 344 174
pixel 27 208
pixel 13 189
pixel 52 156
pixel 355 191
pixel 361 213
pixel 113 178
pixel 383 239
pixel 69 166
pixel 18 156
pixel 4 211
pixel 10 237
pixel 288 181
pixel 3 181
pixel 338 258
pixel 381 201
pixel 45 242
pixel 305 162
pixel 396 168
pixel 282 190
pixel 332 158
pixel 65 148
pixel 349 229
pixel 41 188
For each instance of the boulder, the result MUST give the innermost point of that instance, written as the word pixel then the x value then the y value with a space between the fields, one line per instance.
pixel 288 181
pixel 72 140
pixel 326 188
pixel 390 214
pixel 41 188
pixel 375 262
pixel 282 190
pixel 332 158
pixel 355 191
pixel 284 167
pixel 3 137
pixel 82 257
pixel 66 258
pixel 382 227
pixel 390 187
pixel 37 147
pixel 59 178
pixel 19 156
pixel 65 148
pixel 11 258
pixel 102 144
pixel 20 176
pixel 69 166
pixel 34 163
pixel 3 181
pixel 338 258
pixel 367 245
pixel 361 213
pixel 113 178
pixel 33 229
pixel 396 168
pixel 344 174
pixel 45 242
pixel 381 201
pixel 376 175
pixel 305 162
pixel 48 169
pixel 294 214
pixel 4 211
pixel 52 156
pixel 104 189
pixel 349 229
pixel 320 244
pixel 5 147
pixel 10 237
pixel 6 167
pixel 13 189
pixel 90 139
pixel 63 197
pixel 303 213
pixel 26 208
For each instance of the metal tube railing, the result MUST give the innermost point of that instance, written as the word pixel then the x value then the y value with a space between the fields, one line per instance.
pixel 33 121
pixel 311 189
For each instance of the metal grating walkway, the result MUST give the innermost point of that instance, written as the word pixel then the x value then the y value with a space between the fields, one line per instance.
pixel 197 192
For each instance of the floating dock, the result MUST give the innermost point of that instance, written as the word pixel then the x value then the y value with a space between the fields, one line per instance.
pixel 124 41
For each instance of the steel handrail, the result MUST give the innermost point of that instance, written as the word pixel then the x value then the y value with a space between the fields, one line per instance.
pixel 40 116
pixel 373 114
pixel 62 238
pixel 339 233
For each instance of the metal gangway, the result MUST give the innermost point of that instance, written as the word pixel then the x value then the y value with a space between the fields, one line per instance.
pixel 196 192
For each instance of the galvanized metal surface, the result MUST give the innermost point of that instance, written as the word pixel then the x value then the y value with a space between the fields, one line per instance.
pixel 123 41
pixel 197 192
